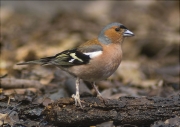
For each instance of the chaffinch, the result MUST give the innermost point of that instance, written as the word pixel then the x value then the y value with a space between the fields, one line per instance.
pixel 93 60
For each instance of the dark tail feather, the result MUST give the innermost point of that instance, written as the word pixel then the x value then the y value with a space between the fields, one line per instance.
pixel 42 61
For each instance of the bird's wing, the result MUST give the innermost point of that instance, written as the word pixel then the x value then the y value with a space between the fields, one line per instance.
pixel 65 59
pixel 82 55
pixel 70 58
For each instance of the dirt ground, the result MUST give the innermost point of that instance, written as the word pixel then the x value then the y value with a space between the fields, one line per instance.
pixel 36 29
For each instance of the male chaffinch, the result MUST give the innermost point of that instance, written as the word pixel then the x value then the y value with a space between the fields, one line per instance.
pixel 93 60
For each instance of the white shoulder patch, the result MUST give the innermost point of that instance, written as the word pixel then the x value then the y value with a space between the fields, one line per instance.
pixel 93 54
pixel 71 60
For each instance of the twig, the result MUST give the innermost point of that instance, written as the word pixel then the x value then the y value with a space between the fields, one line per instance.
pixel 19 83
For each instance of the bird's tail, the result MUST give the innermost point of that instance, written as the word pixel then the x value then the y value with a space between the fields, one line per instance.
pixel 42 61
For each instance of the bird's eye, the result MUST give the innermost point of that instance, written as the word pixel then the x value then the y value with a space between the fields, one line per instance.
pixel 118 29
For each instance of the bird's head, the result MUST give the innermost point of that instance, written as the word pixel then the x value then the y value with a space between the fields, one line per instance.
pixel 114 33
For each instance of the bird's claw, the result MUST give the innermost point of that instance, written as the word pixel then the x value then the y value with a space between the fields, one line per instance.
pixel 77 100
pixel 102 99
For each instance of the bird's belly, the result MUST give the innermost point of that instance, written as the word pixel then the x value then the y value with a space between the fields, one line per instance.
pixel 94 72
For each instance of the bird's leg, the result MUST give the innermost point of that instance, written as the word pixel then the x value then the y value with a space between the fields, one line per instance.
pixel 96 89
pixel 98 93
pixel 77 96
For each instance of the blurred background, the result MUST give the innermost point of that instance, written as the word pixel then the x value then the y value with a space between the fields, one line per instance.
pixel 35 29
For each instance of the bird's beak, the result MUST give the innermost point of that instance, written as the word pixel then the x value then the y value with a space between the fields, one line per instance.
pixel 128 33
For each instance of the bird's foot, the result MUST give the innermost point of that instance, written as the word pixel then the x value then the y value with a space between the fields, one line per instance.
pixel 77 100
pixel 104 100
